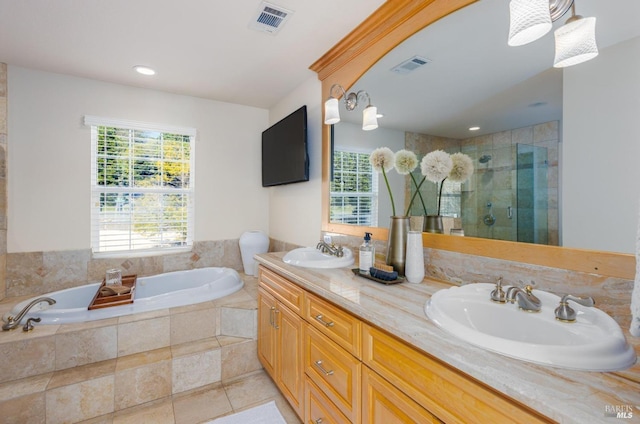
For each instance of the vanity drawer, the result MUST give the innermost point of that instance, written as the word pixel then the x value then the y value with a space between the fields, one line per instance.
pixel 334 371
pixel 336 324
pixel 286 292
pixel 320 409
pixel 444 391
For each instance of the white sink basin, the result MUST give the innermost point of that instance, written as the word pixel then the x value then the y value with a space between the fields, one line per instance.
pixel 310 257
pixel 594 342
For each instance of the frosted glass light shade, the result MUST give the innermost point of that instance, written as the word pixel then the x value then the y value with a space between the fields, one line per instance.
pixel 331 111
pixel 529 20
pixel 575 42
pixel 370 118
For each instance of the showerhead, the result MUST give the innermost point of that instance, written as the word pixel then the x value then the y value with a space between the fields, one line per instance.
pixel 484 158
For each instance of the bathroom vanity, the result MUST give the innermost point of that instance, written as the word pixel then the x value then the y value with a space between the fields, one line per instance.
pixel 345 349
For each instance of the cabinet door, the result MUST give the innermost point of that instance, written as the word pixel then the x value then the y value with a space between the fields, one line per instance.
pixel 267 332
pixel 382 403
pixel 319 408
pixel 289 368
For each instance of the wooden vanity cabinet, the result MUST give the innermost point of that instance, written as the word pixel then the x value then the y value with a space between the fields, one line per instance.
pixel 334 368
pixel 280 331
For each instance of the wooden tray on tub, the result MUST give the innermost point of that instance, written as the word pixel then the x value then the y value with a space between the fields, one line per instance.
pixel 102 301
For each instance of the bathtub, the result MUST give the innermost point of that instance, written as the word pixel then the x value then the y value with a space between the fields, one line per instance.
pixel 161 291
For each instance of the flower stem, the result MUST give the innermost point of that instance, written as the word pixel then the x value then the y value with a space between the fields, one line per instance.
pixel 393 205
pixel 440 195
pixel 424 207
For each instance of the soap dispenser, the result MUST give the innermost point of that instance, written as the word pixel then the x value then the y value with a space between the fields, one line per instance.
pixel 367 254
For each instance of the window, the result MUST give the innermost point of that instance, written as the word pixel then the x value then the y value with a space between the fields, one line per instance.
pixel 354 189
pixel 142 186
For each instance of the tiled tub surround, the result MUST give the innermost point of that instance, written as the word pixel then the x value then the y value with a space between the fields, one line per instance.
pixel 563 395
pixel 74 372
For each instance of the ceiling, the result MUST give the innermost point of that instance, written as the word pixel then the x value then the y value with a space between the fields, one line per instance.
pixel 475 78
pixel 201 48
pixel 204 48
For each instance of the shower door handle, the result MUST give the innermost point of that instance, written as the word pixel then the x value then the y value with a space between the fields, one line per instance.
pixel 509 212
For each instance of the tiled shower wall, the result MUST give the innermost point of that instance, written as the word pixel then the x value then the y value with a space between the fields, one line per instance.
pixel 3 178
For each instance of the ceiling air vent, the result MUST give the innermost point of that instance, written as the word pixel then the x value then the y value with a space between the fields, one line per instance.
pixel 410 65
pixel 270 18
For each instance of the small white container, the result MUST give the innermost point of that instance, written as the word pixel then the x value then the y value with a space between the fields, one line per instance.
pixel 414 266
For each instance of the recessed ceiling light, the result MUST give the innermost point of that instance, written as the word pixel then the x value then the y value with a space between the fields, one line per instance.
pixel 474 128
pixel 144 70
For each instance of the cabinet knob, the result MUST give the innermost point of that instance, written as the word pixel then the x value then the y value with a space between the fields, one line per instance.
pixel 320 319
pixel 318 421
pixel 319 365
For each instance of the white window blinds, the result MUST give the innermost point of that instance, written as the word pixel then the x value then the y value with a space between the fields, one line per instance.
pixel 142 186
pixel 354 189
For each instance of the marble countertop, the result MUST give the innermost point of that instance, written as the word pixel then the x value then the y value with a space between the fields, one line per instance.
pixel 566 396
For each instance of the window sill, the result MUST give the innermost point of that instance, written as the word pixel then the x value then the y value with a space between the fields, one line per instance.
pixel 141 253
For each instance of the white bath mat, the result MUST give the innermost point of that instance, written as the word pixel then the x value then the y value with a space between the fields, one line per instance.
pixel 263 414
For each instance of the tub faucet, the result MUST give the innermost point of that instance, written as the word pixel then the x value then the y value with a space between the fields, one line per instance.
pixel 527 301
pixel 13 322
pixel 324 247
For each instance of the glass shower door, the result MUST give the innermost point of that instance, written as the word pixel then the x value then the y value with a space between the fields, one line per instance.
pixel 532 194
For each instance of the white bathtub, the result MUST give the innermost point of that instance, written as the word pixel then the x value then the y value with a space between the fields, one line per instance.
pixel 154 292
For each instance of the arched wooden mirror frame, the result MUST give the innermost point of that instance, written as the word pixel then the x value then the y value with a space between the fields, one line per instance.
pixel 346 62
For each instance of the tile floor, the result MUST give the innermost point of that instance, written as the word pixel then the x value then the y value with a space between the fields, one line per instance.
pixel 204 404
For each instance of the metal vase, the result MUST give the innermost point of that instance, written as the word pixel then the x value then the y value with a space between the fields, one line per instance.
pixel 433 224
pixel 397 243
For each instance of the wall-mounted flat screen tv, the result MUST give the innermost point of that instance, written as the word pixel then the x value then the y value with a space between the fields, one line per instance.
pixel 285 157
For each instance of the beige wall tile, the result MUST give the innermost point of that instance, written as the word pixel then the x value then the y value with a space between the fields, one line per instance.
pixel 77 375
pixel 24 387
pixel 25 409
pixel 251 390
pixel 27 358
pixel 82 401
pixel 135 386
pixel 194 347
pixel 196 325
pixel 239 359
pixel 65 268
pixel 239 322
pixel 86 346
pixel 196 370
pixel 156 413
pixel 25 272
pixel 139 336
pixel 201 406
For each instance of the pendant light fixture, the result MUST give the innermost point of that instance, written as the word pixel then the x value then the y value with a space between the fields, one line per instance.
pixel 575 41
pixel 532 19
pixel 529 20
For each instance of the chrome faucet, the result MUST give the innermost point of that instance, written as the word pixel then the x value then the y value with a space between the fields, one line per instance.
pixel 527 301
pixel 324 247
pixel 566 313
pixel 498 294
pixel 13 322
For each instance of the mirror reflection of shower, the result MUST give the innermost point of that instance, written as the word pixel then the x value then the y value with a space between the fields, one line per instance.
pixel 516 171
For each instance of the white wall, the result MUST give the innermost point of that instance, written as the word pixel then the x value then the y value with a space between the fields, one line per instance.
pixel 351 136
pixel 49 157
pixel 601 150
pixel 295 209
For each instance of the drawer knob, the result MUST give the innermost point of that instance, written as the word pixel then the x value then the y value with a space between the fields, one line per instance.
pixel 319 365
pixel 318 421
pixel 320 319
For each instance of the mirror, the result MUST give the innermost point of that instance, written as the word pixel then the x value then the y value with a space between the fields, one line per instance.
pixel 473 78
